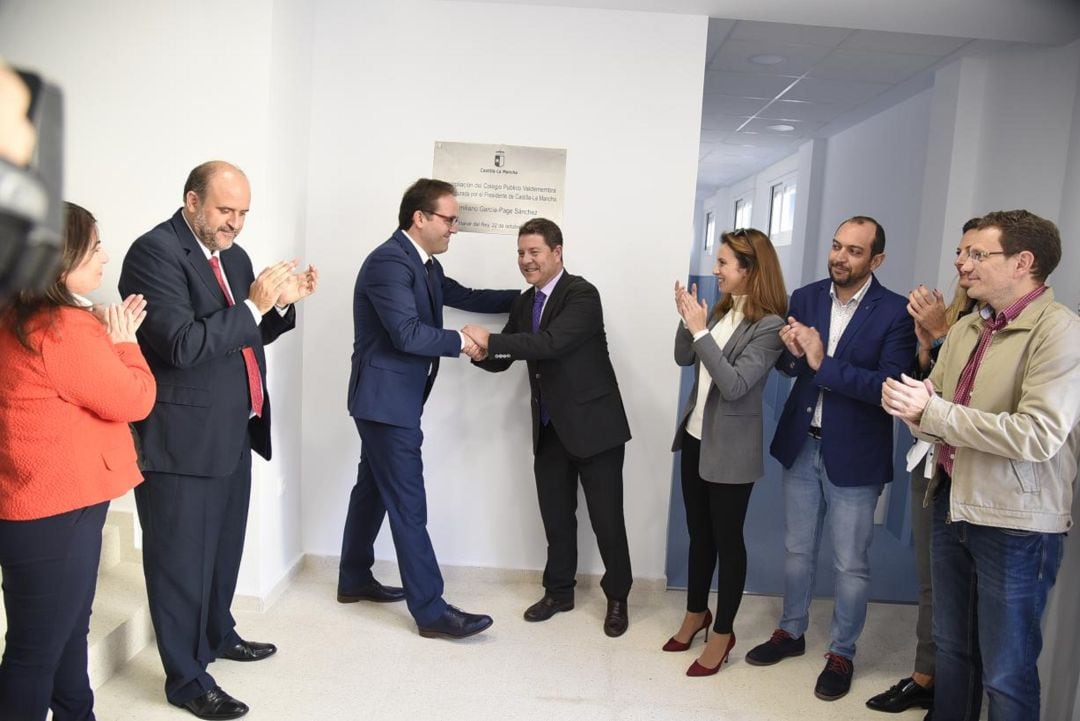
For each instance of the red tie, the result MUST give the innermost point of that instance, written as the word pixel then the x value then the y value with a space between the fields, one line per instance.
pixel 252 365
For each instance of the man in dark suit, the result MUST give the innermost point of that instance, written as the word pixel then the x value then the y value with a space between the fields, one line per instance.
pixel 398 340
pixel 206 352
pixel 835 440
pixel 579 424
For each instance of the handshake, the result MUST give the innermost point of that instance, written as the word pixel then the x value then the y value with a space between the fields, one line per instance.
pixel 476 341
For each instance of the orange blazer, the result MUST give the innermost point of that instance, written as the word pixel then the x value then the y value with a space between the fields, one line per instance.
pixel 64 412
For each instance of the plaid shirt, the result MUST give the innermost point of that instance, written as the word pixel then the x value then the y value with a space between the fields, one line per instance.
pixel 991 325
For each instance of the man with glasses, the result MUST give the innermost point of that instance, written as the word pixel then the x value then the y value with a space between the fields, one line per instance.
pixel 932 322
pixel 398 341
pixel 579 424
pixel 1007 422
pixel 845 335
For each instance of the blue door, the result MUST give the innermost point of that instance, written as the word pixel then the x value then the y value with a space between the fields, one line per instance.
pixel 892 557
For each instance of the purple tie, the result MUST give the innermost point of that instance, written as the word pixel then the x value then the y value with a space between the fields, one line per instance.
pixel 538 309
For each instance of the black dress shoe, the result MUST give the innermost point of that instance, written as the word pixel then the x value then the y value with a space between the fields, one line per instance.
pixel 904 695
pixel 249 651
pixel 215 704
pixel 617 619
pixel 547 607
pixel 455 624
pixel 373 591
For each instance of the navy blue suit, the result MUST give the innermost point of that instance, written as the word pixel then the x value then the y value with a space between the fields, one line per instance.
pixel 398 340
pixel 196 443
pixel 878 343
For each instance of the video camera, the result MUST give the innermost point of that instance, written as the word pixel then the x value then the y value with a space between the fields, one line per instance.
pixel 31 199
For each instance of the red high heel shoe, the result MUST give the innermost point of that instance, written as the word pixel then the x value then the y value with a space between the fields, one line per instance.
pixel 675 645
pixel 696 669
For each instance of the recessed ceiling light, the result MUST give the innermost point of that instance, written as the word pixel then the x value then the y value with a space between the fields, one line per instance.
pixel 781 127
pixel 766 59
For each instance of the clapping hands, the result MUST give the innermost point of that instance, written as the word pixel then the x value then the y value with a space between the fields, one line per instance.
pixel 122 320
pixel 694 312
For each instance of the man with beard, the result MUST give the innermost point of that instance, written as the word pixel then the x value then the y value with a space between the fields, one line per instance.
pixel 206 352
pixel 845 335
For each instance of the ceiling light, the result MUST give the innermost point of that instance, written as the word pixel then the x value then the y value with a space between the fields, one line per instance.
pixel 781 127
pixel 766 59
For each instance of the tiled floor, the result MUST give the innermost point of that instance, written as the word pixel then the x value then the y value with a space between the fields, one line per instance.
pixel 365 661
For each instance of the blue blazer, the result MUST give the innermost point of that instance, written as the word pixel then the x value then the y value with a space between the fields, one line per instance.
pixel 398 333
pixel 192 340
pixel 857 434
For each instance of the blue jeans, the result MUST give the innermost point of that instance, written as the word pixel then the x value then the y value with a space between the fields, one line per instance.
pixel 990 589
pixel 811 499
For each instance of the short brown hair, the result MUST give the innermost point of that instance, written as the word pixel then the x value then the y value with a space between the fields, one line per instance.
pixel 765 290
pixel 1022 230
pixel 545 228
pixel 423 195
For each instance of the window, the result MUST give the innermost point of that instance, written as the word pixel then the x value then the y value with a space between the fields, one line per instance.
pixel 710 232
pixel 782 212
pixel 744 210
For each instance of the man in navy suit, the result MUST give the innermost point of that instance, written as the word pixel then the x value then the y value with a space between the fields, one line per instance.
pixel 205 347
pixel 844 337
pixel 398 341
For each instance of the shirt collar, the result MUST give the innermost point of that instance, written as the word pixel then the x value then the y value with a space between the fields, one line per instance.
pixel 857 298
pixel 550 285
pixel 423 253
pixel 82 301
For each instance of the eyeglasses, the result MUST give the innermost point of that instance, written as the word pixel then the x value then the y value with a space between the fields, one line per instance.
pixel 451 220
pixel 978 256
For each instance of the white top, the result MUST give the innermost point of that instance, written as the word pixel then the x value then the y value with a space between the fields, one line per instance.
pixel 721 333
pixel 839 318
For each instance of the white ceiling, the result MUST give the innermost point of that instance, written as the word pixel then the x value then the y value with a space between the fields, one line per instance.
pixel 823 80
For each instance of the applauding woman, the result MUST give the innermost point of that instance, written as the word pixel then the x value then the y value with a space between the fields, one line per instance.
pixel 720 428
pixel 72 381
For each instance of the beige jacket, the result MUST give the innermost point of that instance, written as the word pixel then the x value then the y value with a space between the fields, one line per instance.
pixel 1018 440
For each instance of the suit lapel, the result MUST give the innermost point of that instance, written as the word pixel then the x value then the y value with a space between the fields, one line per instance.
pixel 197 259
pixel 866 307
pixel 732 347
pixel 432 281
pixel 551 307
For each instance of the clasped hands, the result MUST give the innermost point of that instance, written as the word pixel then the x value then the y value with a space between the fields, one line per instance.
pixel 803 341
pixel 927 307
pixel 693 311
pixel 279 285
pixel 906 399
pixel 122 319
pixel 476 341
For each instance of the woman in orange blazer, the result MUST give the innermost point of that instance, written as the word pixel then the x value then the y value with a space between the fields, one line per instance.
pixel 73 377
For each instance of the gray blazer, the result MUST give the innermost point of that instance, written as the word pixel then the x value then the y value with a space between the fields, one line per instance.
pixel 731 444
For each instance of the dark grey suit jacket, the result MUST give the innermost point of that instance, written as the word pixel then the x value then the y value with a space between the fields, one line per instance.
pixel 731 444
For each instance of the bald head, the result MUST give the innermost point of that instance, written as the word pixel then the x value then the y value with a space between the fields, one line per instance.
pixel 216 200
pixel 201 175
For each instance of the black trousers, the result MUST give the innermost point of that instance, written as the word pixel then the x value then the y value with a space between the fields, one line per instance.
pixel 557 474
pixel 193 538
pixel 50 568
pixel 715 513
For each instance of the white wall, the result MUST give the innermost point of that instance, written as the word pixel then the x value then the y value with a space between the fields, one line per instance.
pixel 876 168
pixel 758 188
pixel 621 92
pixel 151 90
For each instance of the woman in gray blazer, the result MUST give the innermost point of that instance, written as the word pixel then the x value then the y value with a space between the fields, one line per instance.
pixel 719 431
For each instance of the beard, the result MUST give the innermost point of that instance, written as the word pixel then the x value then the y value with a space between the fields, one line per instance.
pixel 847 278
pixel 208 236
